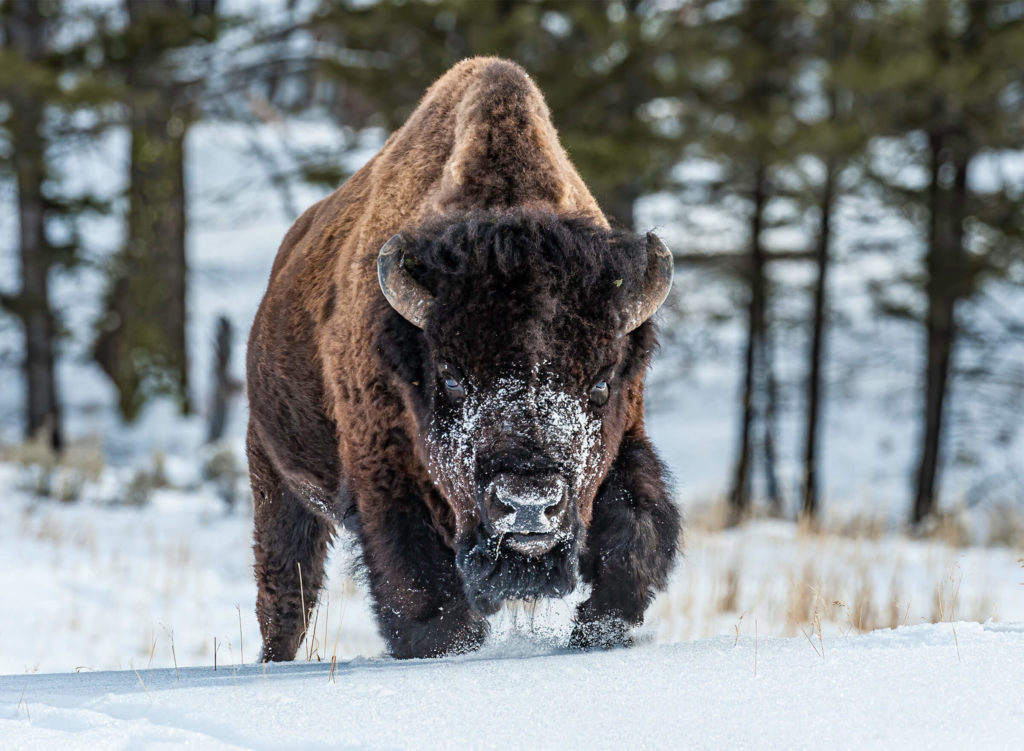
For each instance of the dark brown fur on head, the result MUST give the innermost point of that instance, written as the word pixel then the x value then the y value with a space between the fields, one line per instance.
pixel 527 313
pixel 349 413
pixel 517 291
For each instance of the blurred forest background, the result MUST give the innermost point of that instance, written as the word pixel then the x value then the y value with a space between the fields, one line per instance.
pixel 842 183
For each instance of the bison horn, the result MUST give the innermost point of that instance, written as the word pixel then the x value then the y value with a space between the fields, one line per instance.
pixel 406 295
pixel 644 302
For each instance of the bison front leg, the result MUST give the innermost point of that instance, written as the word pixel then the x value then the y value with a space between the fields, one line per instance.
pixel 290 551
pixel 631 546
pixel 418 597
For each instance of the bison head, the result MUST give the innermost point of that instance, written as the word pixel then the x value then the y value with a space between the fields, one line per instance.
pixel 519 349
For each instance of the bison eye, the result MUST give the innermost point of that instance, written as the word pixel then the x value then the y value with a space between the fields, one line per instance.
pixel 599 393
pixel 452 381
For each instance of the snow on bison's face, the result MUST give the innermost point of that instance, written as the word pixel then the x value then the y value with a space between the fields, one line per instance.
pixel 522 369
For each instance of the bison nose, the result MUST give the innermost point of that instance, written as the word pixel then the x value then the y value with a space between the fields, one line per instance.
pixel 520 506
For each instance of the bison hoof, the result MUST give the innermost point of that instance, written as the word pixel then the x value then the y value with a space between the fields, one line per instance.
pixel 603 633
pixel 437 637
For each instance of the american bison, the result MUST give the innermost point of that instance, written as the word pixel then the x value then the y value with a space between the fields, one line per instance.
pixel 449 361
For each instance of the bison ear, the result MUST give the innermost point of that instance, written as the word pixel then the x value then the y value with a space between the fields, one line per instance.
pixel 405 294
pixel 657 281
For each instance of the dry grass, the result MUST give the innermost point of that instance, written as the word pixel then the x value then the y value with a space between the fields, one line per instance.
pixel 947 597
pixel 812 580
pixel 783 579
pixel 322 640
pixel 66 476
pixel 59 476
pixel 728 600
pixel 992 525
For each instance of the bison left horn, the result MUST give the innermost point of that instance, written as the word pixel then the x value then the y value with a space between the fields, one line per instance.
pixel 657 281
pixel 406 295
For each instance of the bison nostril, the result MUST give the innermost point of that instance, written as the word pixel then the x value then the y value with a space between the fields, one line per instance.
pixel 552 511
pixel 502 505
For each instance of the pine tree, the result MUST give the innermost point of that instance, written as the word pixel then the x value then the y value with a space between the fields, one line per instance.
pixel 43 84
pixel 27 37
pixel 834 138
pixel 946 78
pixel 141 338
pixel 743 62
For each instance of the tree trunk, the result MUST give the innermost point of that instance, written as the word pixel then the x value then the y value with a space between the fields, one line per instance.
pixel 837 43
pixel 951 150
pixel 769 394
pixel 27 35
pixel 817 344
pixel 224 385
pixel 141 344
pixel 945 286
pixel 739 496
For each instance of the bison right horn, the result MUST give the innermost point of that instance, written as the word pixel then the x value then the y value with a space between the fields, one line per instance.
pixel 657 281
pixel 407 296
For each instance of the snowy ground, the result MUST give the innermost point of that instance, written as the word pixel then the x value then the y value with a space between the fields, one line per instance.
pixel 933 686
pixel 95 585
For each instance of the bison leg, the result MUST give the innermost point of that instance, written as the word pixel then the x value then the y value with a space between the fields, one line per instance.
pixel 290 551
pixel 631 546
pixel 418 596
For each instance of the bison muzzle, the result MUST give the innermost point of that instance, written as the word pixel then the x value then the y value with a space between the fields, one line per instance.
pixel 449 361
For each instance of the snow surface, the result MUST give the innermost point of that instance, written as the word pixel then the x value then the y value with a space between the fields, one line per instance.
pixel 932 686
pixel 99 586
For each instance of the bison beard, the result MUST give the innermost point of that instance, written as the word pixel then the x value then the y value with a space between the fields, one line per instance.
pixel 492 573
pixel 466 396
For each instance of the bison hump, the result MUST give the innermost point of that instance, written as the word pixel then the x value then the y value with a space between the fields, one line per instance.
pixel 486 125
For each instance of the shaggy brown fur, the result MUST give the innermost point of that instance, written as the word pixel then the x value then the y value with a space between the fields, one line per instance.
pixel 349 417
